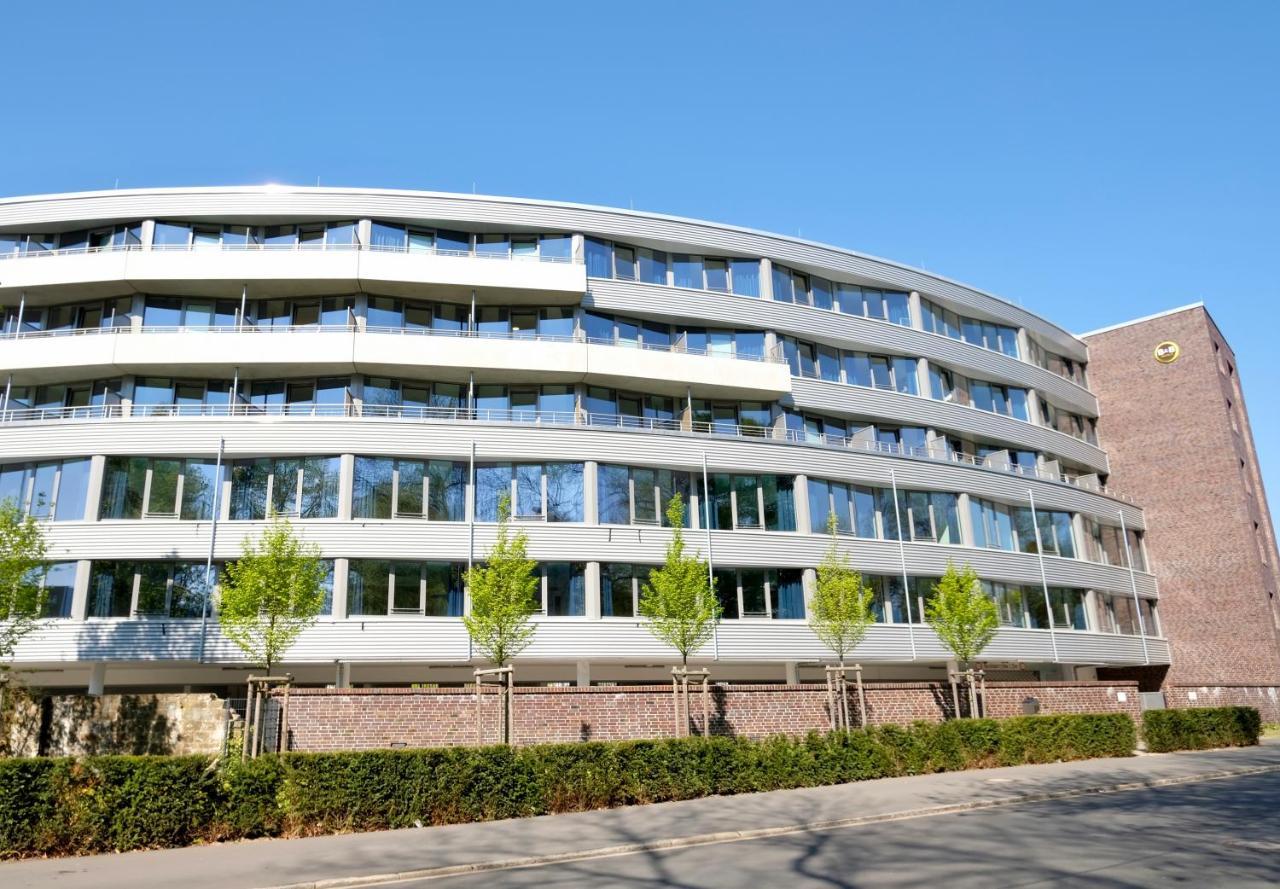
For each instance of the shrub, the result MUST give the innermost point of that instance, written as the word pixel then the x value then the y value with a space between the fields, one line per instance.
pixel 1201 728
pixel 106 803
pixel 27 804
pixel 1032 739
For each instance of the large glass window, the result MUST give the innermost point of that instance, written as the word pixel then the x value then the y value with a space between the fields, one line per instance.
pixel 54 489
pixel 537 491
pixel 776 593
pixel 924 516
pixel 58 581
pixel 1056 533
pixel 621 586
pixel 388 487
pixel 984 334
pixel 161 589
pixel 402 587
pixel 748 502
pixel 1010 401
pixel 564 589
pixel 992 524
pixel 302 487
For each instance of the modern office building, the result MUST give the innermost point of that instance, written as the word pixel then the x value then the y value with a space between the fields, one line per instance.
pixel 383 366
pixel 1171 398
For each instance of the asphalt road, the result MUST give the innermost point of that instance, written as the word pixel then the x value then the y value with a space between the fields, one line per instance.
pixel 1212 833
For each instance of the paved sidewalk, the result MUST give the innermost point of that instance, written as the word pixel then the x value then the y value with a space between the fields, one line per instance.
pixel 266 863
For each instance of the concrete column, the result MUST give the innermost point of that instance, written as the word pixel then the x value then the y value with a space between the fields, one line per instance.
pixel 364 232
pixel 791 673
pixel 1093 608
pixel 126 395
pixel 771 344
pixel 93 497
pixel 346 484
pixel 922 377
pixel 340 567
pixel 361 310
pixel 578 247
pixel 80 592
pixel 97 678
pixel 584 674
pixel 224 499
pixel 916 312
pixel 1033 406
pixel 766 279
pixel 591 580
pixel 1024 344
pixel 804 522
pixel 148 233
pixel 1084 541
pixel 590 492
pixel 343 677
pixel 966 519
pixel 135 312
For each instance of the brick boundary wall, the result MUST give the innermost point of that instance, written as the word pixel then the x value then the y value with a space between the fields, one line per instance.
pixel 379 718
pixel 1265 697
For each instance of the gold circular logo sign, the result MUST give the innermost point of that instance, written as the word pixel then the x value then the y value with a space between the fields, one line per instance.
pixel 1167 352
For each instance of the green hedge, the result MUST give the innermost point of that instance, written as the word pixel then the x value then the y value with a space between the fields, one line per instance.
pixel 1201 728
pixel 117 803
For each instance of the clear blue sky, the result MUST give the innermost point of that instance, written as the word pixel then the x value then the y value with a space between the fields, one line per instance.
pixel 1095 161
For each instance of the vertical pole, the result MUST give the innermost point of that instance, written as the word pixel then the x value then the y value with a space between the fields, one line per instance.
pixel 8 390
pixel 213 539
pixel 22 310
pixel 1133 583
pixel 244 302
pixel 675 702
pixel 248 720
pixel 711 558
pixel 902 557
pixel 831 698
pixel 257 720
pixel 283 747
pixel 1044 578
pixel 471 542
pixel 862 695
pixel 471 324
pixel 706 706
pixel 511 705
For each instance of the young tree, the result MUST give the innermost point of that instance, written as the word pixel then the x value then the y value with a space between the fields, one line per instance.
pixel 504 598
pixel 273 592
pixel 504 594
pixel 679 599
pixel 22 554
pixel 840 613
pixel 964 617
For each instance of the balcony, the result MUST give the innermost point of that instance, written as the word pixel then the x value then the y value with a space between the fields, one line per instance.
pixel 38 356
pixel 292 269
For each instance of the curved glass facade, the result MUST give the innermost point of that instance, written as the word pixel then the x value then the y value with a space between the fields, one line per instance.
pixel 383 368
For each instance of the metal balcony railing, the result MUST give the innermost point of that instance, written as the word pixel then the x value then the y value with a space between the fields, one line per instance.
pixel 293 247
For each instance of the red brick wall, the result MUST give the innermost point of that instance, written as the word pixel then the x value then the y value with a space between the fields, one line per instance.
pixel 1265 698
pixel 356 719
pixel 1168 430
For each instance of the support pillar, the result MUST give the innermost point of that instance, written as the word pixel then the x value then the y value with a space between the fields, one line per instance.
pixel 591 580
pixel 915 311
pixel 97 679
pixel 804 521
pixel 584 674
pixel 793 677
